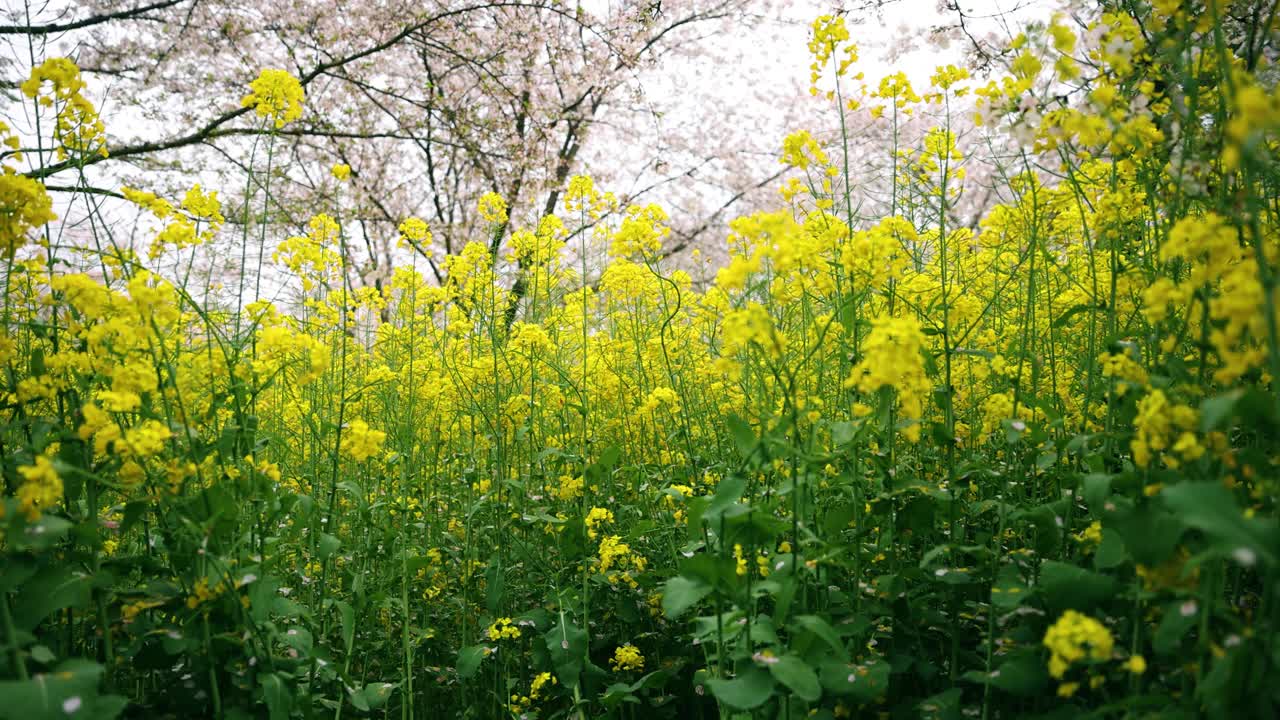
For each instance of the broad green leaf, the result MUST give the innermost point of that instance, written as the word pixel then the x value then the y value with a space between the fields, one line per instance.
pixel 495 581
pixel 681 593
pixel 567 644
pixel 1216 412
pixel 743 435
pixel 796 674
pixel 46 696
pixel 1179 617
pixel 328 545
pixel 823 630
pixel 1150 533
pixel 372 696
pixel 1211 508
pixel 275 691
pixel 745 692
pixel 52 589
pixel 348 615
pixel 1022 674
pixel 837 519
pixel 299 638
pixel 469 659
pixel 1009 590
pixel 1110 552
pixel 1067 587
pixel 863 682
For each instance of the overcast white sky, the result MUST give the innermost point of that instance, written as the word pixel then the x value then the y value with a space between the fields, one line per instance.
pixel 760 71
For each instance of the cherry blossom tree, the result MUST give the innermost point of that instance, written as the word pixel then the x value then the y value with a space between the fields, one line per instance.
pixel 431 104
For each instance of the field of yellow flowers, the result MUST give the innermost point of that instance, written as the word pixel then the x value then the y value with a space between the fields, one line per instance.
pixel 880 467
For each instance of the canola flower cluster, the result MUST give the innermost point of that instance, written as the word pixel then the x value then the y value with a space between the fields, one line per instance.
pixel 1074 638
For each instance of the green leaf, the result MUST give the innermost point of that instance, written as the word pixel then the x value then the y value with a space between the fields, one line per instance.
pixel 1009 590
pixel 863 682
pixel 300 639
pixel 681 593
pixel 1150 533
pixel 469 659
pixel 15 571
pixel 133 514
pixel 796 674
pixel 1022 674
pixel 567 644
pixel 598 471
pixel 1211 508
pixel 328 546
pixel 276 692
pixel 1110 552
pixel 745 692
pixel 43 696
pixel 842 433
pixel 348 615
pixel 1066 586
pixel 39 535
pixel 372 696
pixel 916 515
pixel 1179 617
pixel 1048 532
pixel 1216 412
pixel 495 581
pixel 618 692
pixel 50 590
pixel 743 435
pixel 942 706
pixel 728 491
pixel 823 630
pixel 837 519
pixel 1071 312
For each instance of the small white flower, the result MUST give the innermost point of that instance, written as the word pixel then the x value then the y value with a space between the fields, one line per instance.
pixel 71 704
pixel 1188 608
pixel 1018 425
pixel 1245 556
pixel 940 572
